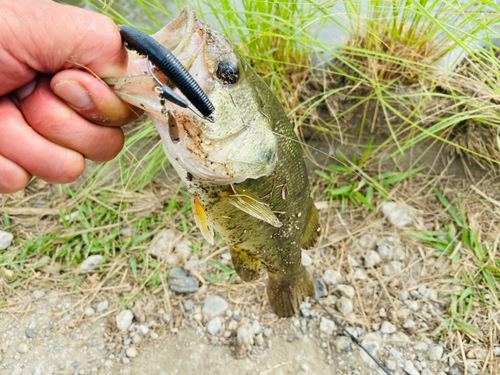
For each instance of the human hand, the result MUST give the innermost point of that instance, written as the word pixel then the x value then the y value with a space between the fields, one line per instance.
pixel 50 114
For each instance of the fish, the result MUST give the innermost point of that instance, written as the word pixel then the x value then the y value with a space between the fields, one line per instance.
pixel 245 173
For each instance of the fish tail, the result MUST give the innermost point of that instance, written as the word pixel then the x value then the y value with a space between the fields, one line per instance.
pixel 287 292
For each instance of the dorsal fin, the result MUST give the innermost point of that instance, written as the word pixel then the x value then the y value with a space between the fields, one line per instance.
pixel 312 231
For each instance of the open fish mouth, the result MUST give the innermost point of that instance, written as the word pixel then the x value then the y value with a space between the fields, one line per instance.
pixel 239 145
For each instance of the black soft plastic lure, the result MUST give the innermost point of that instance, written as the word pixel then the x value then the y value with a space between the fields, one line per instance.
pixel 172 68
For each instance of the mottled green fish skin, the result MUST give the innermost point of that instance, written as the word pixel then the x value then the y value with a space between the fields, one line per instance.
pixel 286 191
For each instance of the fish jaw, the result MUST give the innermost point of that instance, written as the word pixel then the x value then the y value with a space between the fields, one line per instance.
pixel 240 144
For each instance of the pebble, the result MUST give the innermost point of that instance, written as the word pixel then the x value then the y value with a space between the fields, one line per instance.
pixel 384 251
pixel 397 215
pixel 343 343
pixel 390 364
pixel 435 352
pixel 331 277
pixel 496 351
pixel 89 311
pixel 409 324
pixel 359 274
pixel 268 332
pixel 214 305
pixel 22 348
pixel 344 305
pixel 426 371
pixel 214 326
pixel 124 320
pixel 6 239
pixel 75 364
pixel 305 367
pixel 346 290
pixel 136 339
pixel 327 326
pixel 125 361
pixel 153 335
pixel 399 339
pixel 181 281
pixel 131 352
pixel 306 259
pixel 320 287
pixel 367 241
pixel 391 268
pixel 126 231
pixel 183 249
pixel 92 262
pixel 162 243
pixel 245 335
pixel 404 295
pixel 237 316
pixel 382 313
pixel 388 328
pixel 29 333
pixel 38 294
pixel 372 343
pixel 410 369
pixel 259 340
pixel 166 317
pixel 372 258
pixel 189 305
pixel 103 305
pixel 256 327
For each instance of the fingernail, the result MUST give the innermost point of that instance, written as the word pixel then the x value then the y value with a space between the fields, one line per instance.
pixel 25 91
pixel 73 93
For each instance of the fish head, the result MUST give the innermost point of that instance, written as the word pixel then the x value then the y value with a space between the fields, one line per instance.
pixel 240 144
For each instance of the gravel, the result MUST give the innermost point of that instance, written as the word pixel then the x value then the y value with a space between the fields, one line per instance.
pixel 410 369
pixel 22 348
pixel 189 305
pixel 91 263
pixel 346 290
pixel 384 251
pixel 29 333
pixel 391 268
pixel 131 352
pixel 327 326
pixel 344 305
pixel 181 281
pixel 372 258
pixel 214 305
pixel 102 306
pixel 435 352
pixel 6 239
pixel 320 287
pixel 89 311
pixel 214 326
pixel 387 328
pixel 367 241
pixel 124 320
pixel 162 244
pixel 306 259
pixel 359 274
pixel 343 343
pixel 331 277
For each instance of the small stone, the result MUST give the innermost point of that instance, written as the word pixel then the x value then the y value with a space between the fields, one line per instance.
pixel 359 274
pixel 320 287
pixel 143 329
pixel 390 364
pixel 162 244
pixel 183 249
pixel 409 324
pixel 388 328
pixel 424 291
pixel 22 348
pixel 306 259
pixel 124 320
pixel 138 312
pixel 89 311
pixel 421 346
pixel 131 352
pixel 259 340
pixel 372 258
pixel 327 326
pixel 153 335
pixel 399 339
pixel 391 268
pixel 38 294
pixel 397 215
pixel 29 333
pixel 181 281
pixel 435 352
pixel 375 326
pixel 384 251
pixel 344 305
pixel 305 367
pixel 346 290
pixel 136 339
pixel 189 305
pixel 372 343
pixel 126 231
pixel 214 305
pixel 342 343
pixel 410 369
pixel 91 263
pixel 496 351
pixel 367 241
pixel 403 313
pixel 382 313
pixel 108 363
pixel 6 239
pixel 245 335
pixel 426 371
pixel 268 332
pixel 256 327
pixel 404 295
pixel 166 317
pixel 75 364
pixel 331 277
pixel 103 305
pixel 237 316
pixel 125 361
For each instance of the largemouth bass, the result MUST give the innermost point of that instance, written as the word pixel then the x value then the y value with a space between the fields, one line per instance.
pixel 245 173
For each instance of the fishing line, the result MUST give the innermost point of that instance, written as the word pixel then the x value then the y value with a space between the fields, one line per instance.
pixel 352 337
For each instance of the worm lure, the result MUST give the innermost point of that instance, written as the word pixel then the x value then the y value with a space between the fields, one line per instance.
pixel 173 69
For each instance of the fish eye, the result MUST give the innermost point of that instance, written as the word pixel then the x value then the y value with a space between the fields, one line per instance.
pixel 228 72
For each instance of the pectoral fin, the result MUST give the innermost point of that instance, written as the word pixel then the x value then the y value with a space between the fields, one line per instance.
pixel 312 231
pixel 202 221
pixel 253 206
pixel 246 266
